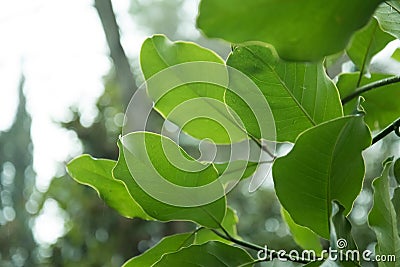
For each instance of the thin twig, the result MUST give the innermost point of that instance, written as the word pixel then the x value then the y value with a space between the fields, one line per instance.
pixel 394 127
pixel 255 247
pixel 370 86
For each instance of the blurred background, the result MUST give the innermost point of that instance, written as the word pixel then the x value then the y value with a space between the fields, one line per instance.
pixel 67 72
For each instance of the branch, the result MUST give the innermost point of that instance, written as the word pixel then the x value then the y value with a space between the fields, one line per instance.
pixel 122 66
pixel 370 86
pixel 394 127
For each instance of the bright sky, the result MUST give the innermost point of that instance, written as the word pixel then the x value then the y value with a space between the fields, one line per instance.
pixel 60 48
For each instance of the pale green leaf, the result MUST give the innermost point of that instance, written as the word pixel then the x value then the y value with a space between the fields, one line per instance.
pixel 189 95
pixel 396 170
pixel 299 30
pixel 300 95
pixel 382 219
pixel 320 168
pixel 97 173
pixel 213 253
pixel 146 166
pixel 388 15
pixel 303 236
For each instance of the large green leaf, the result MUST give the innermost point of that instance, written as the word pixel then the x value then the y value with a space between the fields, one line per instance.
pixel 396 205
pixel 366 43
pixel 189 95
pixel 325 164
pixel 382 219
pixel 381 104
pixel 213 253
pixel 97 173
pixel 152 168
pixel 299 30
pixel 388 15
pixel 303 236
pixel 166 245
pixel 300 95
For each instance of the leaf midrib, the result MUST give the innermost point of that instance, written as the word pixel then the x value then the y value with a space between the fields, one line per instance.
pixel 212 106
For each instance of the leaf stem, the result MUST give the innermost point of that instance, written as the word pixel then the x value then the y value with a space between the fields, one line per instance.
pixel 394 127
pixel 370 86
pixel 255 247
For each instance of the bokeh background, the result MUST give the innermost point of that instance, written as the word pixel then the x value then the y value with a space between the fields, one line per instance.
pixel 67 72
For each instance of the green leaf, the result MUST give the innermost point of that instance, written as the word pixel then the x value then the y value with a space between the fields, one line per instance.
pixel 166 245
pixel 366 43
pixel 303 236
pixel 396 54
pixel 300 95
pixel 299 30
pixel 189 95
pixel 209 254
pixel 396 170
pixel 249 170
pixel 341 236
pixel 229 223
pixel 341 228
pixel 396 205
pixel 382 219
pixel 153 169
pixel 322 165
pixel 381 104
pixel 388 15
pixel 97 173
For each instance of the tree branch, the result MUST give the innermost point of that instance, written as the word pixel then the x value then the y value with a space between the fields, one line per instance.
pixel 370 86
pixel 121 63
pixel 394 127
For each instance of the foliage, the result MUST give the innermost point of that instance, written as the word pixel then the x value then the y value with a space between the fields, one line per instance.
pixel 317 182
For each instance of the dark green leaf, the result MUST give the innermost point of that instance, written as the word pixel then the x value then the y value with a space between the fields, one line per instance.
pixel 153 169
pixel 300 95
pixel 396 170
pixel 208 254
pixel 300 30
pixel 97 173
pixel 381 104
pixel 166 245
pixel 382 219
pixel 388 15
pixel 324 162
pixel 366 43
pixel 396 205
